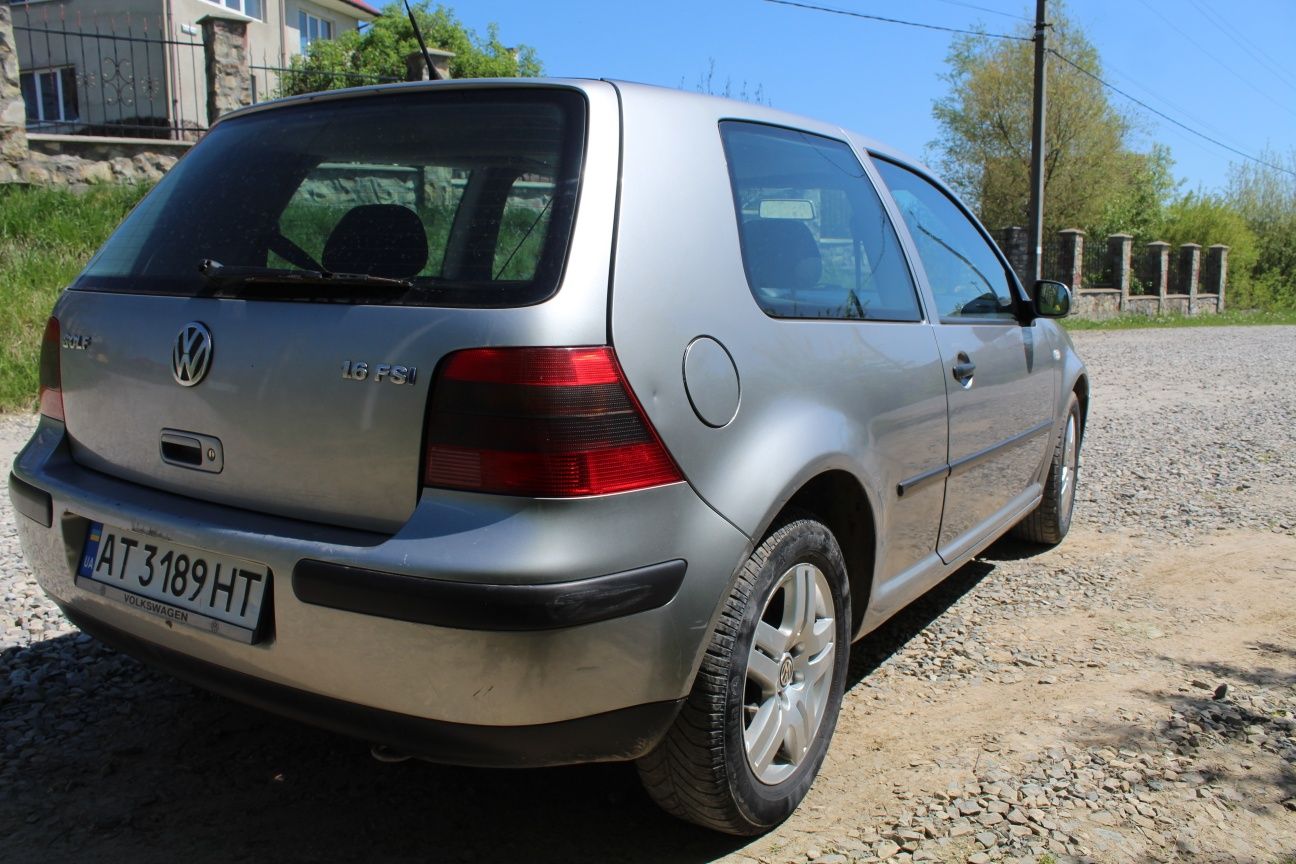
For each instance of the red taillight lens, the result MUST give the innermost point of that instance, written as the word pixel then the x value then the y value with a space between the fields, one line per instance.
pixel 543 422
pixel 51 374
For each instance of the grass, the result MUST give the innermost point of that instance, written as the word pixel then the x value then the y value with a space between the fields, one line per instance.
pixel 46 237
pixel 1227 318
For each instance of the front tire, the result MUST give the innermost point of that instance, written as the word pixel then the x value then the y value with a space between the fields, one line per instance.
pixel 1051 520
pixel 752 735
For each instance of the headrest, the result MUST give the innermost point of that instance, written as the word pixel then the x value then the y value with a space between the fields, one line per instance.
pixel 378 240
pixel 782 254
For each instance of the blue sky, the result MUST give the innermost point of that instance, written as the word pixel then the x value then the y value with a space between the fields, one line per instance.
pixel 880 79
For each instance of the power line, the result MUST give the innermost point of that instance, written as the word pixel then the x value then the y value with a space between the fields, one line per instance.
pixel 1258 54
pixel 1167 117
pixel 897 20
pixel 984 9
pixel 1225 66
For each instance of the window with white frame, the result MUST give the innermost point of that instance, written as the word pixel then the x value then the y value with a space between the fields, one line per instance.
pixel 251 8
pixel 50 95
pixel 313 28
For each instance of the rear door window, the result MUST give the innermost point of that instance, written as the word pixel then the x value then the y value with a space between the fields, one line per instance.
pixel 816 242
pixel 468 194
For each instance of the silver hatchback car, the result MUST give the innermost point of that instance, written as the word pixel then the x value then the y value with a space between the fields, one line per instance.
pixel 526 423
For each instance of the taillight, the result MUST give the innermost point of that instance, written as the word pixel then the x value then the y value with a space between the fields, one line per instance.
pixel 51 374
pixel 542 422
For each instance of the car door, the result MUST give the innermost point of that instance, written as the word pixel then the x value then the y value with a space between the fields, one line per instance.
pixel 999 379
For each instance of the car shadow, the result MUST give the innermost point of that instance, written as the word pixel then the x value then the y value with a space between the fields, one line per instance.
pixel 106 760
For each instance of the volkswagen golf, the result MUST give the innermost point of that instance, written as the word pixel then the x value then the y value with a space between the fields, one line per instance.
pixel 511 423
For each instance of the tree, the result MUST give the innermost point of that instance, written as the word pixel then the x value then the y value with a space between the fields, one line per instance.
pixel 706 83
pixel 379 52
pixel 1091 174
pixel 1265 196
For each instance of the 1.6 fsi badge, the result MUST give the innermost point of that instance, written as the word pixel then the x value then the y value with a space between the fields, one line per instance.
pixel 353 370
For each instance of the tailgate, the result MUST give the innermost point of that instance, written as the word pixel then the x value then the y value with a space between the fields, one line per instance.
pixel 279 427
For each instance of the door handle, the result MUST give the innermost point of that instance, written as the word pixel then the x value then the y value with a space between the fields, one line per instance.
pixel 963 369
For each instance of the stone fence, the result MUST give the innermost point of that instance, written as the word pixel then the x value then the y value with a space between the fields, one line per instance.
pixel 1116 279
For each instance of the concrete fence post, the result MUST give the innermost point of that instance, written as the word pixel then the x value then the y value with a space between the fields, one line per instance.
pixel 1071 257
pixel 416 67
pixel 1016 247
pixel 1120 253
pixel 1215 273
pixel 13 111
pixel 1190 273
pixel 1158 270
pixel 225 59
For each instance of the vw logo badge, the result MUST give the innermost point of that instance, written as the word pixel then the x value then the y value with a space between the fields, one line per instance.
pixel 191 356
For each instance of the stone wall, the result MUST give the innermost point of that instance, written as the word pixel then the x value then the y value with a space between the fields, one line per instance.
pixel 1097 304
pixel 78 160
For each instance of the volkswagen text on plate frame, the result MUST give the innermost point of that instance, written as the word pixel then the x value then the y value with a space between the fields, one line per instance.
pixel 552 422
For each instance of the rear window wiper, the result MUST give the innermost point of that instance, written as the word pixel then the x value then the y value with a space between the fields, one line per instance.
pixel 218 273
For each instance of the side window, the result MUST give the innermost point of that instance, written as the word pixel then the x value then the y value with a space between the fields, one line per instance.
pixel 816 242
pixel 524 226
pixel 967 278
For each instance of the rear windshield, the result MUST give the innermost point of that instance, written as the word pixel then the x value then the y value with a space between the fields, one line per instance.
pixel 467 194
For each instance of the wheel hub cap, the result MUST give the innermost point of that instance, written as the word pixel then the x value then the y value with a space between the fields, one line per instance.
pixel 789 673
pixel 785 671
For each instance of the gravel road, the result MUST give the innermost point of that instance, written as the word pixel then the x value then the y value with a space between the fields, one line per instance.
pixel 1129 696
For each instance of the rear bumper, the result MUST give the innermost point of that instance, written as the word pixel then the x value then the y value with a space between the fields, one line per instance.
pixel 481 613
pixel 624 734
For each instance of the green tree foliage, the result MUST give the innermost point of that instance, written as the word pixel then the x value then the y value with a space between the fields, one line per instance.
pixel 378 52
pixel 1091 175
pixel 1210 219
pixel 1266 199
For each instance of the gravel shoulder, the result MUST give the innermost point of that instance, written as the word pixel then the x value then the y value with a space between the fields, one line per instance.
pixel 1129 696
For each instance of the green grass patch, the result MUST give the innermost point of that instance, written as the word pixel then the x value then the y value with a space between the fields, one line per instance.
pixel 1228 318
pixel 46 237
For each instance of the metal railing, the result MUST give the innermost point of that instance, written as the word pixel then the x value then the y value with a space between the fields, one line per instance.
pixel 113 75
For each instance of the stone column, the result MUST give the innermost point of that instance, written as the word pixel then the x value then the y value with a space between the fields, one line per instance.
pixel 13 113
pixel 416 68
pixel 1190 272
pixel 1158 270
pixel 1016 247
pixel 1071 257
pixel 1215 272
pixel 1120 252
pixel 225 55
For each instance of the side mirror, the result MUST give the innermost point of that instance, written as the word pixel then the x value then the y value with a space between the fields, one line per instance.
pixel 1052 299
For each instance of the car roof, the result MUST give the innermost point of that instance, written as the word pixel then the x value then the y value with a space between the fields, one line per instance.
pixel 723 108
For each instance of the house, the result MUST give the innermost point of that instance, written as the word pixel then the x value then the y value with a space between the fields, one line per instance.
pixel 136 68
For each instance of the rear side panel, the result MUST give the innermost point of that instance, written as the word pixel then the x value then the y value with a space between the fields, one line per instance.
pixel 302 434
pixel 864 397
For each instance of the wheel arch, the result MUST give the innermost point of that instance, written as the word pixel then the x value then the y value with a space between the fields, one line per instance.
pixel 1081 390
pixel 839 500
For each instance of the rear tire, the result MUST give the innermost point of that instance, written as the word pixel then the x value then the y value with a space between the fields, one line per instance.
pixel 754 730
pixel 1051 520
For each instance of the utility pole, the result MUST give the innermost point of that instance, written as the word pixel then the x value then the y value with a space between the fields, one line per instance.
pixel 1037 147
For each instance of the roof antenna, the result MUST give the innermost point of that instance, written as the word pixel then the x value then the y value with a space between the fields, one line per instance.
pixel 418 34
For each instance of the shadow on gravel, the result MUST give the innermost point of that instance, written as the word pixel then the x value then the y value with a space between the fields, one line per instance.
pixel 873 650
pixel 1009 548
pixel 1259 781
pixel 105 760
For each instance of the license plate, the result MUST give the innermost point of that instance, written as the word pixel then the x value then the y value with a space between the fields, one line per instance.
pixel 188 586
